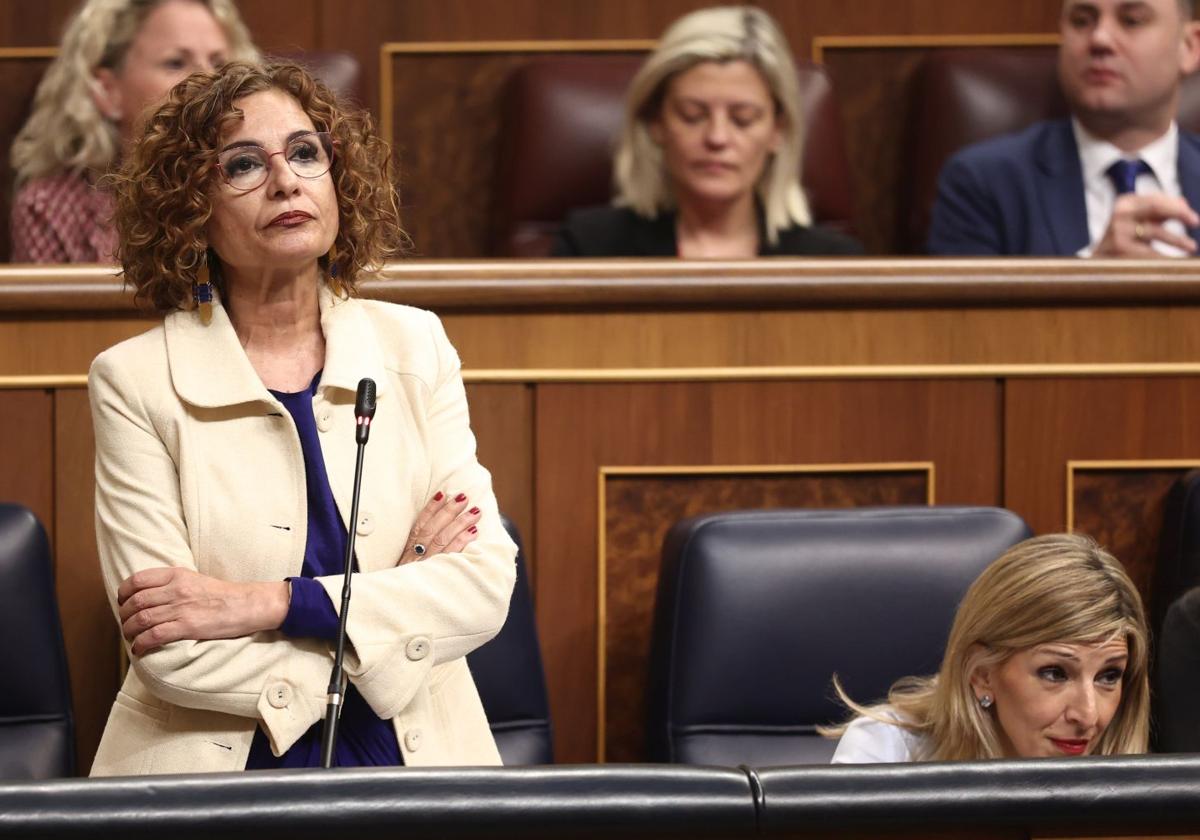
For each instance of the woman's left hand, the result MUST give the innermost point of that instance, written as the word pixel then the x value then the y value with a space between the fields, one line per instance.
pixel 162 605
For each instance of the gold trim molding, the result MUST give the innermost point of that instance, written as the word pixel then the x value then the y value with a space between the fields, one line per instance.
pixel 562 376
pixel 605 472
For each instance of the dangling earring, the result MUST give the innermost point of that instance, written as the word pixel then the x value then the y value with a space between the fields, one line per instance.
pixel 335 284
pixel 202 292
pixel 985 702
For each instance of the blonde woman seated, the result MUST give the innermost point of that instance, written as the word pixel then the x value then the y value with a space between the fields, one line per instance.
pixel 708 163
pixel 117 58
pixel 1047 657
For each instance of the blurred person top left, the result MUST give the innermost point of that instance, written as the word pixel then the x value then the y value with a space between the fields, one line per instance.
pixel 116 58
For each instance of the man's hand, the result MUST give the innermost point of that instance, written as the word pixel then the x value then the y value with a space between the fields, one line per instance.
pixel 1138 220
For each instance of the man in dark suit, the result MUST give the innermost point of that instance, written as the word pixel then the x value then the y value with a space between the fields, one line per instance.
pixel 1117 179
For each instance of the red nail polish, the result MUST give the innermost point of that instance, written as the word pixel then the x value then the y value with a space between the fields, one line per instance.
pixel 461 497
pixel 437 497
pixel 473 510
pixel 472 530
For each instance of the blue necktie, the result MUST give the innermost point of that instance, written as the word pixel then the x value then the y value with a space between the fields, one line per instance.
pixel 1124 174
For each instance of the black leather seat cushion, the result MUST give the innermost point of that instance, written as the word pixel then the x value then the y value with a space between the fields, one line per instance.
pixel 512 684
pixel 408 803
pixel 1127 796
pixel 1124 795
pixel 757 610
pixel 1177 677
pixel 37 734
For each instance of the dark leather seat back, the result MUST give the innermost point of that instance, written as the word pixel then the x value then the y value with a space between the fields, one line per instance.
pixel 560 123
pixel 37 729
pixel 757 610
pixel 1178 567
pixel 1176 726
pixel 512 684
pixel 964 96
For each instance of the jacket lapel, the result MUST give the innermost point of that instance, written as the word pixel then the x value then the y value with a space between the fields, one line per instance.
pixel 351 349
pixel 1060 189
pixel 655 237
pixel 1189 173
pixel 209 368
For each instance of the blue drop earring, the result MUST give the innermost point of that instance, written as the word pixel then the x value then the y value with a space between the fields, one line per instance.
pixel 335 284
pixel 202 292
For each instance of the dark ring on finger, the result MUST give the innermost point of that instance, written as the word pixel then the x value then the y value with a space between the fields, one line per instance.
pixel 419 549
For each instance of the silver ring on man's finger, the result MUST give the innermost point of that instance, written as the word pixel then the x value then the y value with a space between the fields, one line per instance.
pixel 419 549
pixel 1139 233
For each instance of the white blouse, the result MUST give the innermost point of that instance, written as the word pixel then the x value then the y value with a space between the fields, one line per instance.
pixel 870 741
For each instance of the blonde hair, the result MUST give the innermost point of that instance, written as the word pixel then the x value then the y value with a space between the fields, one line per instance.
pixel 1055 588
pixel 66 131
pixel 721 34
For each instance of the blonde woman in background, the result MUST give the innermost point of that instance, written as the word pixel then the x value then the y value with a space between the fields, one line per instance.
pixel 708 162
pixel 116 58
pixel 1047 657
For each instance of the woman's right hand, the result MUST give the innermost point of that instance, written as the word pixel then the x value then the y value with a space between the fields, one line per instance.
pixel 444 526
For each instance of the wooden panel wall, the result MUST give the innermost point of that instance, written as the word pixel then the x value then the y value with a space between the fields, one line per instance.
pixel 584 428
pixel 362 25
pixel 999 374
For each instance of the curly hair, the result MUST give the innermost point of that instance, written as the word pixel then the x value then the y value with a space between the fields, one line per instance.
pixel 164 190
pixel 65 131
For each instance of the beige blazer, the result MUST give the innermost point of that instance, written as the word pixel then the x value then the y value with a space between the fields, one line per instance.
pixel 198 466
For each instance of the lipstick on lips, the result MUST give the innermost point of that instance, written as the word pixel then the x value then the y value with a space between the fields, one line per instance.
pixel 290 219
pixel 1070 746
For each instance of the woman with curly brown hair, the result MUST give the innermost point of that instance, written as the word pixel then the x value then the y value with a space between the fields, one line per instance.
pixel 225 453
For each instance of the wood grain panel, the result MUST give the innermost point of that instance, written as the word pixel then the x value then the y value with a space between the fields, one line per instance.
pixel 286 25
pixel 27 453
pixel 1049 422
pixel 1122 509
pixel 638 512
pixel 377 21
pixel 89 629
pixel 34 24
pixel 581 428
pixel 19 77
pixel 447 173
pixel 502 419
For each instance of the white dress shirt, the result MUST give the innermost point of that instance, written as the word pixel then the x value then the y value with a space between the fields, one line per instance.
pixel 870 741
pixel 1096 156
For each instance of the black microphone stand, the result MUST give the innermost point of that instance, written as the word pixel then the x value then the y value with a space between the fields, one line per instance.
pixel 364 410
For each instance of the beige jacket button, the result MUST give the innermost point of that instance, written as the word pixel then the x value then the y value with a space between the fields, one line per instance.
pixel 417 648
pixel 412 740
pixel 279 695
pixel 324 417
pixel 366 523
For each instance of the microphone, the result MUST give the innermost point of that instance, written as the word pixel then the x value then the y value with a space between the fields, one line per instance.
pixel 364 409
pixel 364 412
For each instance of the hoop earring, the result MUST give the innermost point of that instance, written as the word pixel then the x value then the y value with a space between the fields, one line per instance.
pixel 202 292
